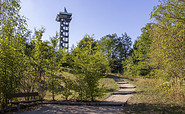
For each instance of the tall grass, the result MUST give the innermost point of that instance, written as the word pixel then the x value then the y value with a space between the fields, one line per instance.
pixel 156 95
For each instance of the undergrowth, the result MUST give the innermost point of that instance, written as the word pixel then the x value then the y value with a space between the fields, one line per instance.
pixel 155 96
pixel 107 84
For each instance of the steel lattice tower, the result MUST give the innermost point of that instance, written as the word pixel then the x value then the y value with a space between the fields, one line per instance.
pixel 64 18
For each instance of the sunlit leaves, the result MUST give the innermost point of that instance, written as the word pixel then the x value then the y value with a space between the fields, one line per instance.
pixel 12 62
pixel 89 66
pixel 168 46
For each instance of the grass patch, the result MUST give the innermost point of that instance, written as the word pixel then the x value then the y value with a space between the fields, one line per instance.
pixel 151 97
pixel 109 85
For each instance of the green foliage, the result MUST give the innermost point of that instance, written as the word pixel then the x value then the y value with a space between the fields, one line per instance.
pixel 138 63
pixel 34 66
pixel 128 66
pixel 117 50
pixel 68 87
pixel 12 62
pixel 168 46
pixel 53 67
pixel 39 61
pixel 87 42
pixel 66 59
pixel 160 50
pixel 89 66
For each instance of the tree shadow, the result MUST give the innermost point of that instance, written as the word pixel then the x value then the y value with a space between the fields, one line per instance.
pixel 113 77
pixel 144 108
pixel 117 78
pixel 71 109
pixel 130 79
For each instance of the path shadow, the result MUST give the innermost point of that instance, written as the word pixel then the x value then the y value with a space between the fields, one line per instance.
pixel 128 78
pixel 127 87
pixel 123 93
pixel 117 78
pixel 144 108
pixel 113 77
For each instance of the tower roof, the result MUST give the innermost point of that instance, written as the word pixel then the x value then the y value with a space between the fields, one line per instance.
pixel 64 15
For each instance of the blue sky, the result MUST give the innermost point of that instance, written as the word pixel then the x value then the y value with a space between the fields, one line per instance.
pixel 98 17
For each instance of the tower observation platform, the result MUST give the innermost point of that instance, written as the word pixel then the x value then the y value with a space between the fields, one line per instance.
pixel 64 18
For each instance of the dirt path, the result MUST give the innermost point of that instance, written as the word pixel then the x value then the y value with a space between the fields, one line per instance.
pixel 118 97
pixel 69 109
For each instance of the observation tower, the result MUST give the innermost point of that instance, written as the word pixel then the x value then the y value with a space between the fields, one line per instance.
pixel 64 18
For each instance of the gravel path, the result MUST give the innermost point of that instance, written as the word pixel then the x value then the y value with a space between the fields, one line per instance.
pixel 67 109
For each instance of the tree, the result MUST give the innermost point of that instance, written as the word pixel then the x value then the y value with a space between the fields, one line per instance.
pixel 168 46
pixel 107 45
pixel 53 67
pixel 39 61
pixel 140 56
pixel 117 49
pixel 68 86
pixel 84 43
pixel 89 66
pixel 123 47
pixel 12 39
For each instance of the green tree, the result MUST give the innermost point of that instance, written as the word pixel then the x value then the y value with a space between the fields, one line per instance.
pixel 66 60
pixel 84 43
pixel 53 67
pixel 129 67
pixel 89 66
pixel 12 39
pixel 117 49
pixel 168 46
pixel 39 61
pixel 69 85
pixel 107 45
pixel 141 50
pixel 123 47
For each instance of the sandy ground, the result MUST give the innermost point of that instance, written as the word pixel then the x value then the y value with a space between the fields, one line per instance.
pixel 63 109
